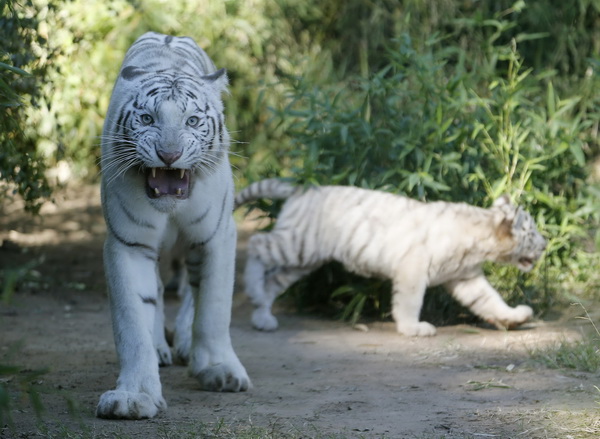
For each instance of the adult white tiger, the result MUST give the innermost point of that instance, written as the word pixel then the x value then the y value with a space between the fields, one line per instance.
pixel 374 233
pixel 166 179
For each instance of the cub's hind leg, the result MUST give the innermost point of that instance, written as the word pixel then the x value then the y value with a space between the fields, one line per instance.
pixel 484 301
pixel 407 300
pixel 267 274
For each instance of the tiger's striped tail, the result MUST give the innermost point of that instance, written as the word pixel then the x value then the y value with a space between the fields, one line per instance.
pixel 271 188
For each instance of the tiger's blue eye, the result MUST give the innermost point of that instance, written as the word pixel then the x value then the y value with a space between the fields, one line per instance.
pixel 193 121
pixel 147 119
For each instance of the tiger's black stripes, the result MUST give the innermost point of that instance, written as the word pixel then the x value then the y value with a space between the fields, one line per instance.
pixel 148 251
pixel 218 225
pixel 200 218
pixel 149 300
pixel 133 218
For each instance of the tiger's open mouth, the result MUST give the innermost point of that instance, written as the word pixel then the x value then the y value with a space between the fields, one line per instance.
pixel 161 182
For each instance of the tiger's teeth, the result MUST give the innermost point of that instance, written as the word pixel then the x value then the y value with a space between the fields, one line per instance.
pixel 179 191
pixel 181 174
pixel 154 173
pixel 156 191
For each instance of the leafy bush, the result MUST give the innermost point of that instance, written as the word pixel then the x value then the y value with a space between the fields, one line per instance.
pixel 21 165
pixel 436 123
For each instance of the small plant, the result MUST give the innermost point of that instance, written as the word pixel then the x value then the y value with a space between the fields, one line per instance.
pixel 583 355
pixel 18 383
pixel 11 278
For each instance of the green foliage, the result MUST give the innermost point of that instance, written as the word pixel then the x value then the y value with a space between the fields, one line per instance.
pixel 581 355
pixel 21 165
pixel 438 121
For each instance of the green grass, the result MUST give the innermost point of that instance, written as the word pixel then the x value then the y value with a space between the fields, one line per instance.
pixel 582 355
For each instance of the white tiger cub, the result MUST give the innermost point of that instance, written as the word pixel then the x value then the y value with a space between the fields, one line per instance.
pixel 374 233
pixel 166 179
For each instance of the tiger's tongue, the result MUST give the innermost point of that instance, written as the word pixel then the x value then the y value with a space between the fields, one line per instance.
pixel 162 182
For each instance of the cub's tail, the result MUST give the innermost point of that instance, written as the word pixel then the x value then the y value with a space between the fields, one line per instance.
pixel 272 188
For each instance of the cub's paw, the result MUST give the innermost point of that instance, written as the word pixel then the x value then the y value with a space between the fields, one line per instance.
pixel 517 316
pixel 223 378
pixel 420 329
pixel 263 320
pixel 120 404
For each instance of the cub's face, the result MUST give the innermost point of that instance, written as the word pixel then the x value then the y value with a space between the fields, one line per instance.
pixel 519 227
pixel 171 129
pixel 530 244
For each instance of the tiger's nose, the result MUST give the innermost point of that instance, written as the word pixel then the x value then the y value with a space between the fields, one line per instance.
pixel 168 157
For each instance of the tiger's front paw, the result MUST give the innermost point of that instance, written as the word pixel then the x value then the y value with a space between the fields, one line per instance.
pixel 419 329
pixel 218 370
pixel 515 317
pixel 263 320
pixel 223 378
pixel 120 404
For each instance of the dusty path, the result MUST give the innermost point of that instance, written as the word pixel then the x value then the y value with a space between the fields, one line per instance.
pixel 311 377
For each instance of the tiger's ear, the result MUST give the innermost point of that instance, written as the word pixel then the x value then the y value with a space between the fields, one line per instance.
pixel 219 79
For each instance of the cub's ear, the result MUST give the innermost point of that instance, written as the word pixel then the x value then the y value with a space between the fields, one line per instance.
pixel 519 219
pixel 502 200
pixel 506 218
pixel 219 79
pixel 504 230
pixel 512 224
pixel 504 205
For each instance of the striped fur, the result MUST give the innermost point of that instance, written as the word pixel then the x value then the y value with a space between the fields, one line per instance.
pixel 374 233
pixel 166 183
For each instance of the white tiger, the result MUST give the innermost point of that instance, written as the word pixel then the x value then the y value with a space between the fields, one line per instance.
pixel 374 233
pixel 166 179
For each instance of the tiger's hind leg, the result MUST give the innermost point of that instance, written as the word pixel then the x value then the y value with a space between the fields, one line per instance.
pixel 182 339
pixel 484 301
pixel 267 275
pixel 160 342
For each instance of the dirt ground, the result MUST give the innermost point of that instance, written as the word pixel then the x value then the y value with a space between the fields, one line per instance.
pixel 312 376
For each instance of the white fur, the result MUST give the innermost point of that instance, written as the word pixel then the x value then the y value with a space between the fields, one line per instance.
pixel 140 228
pixel 372 233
